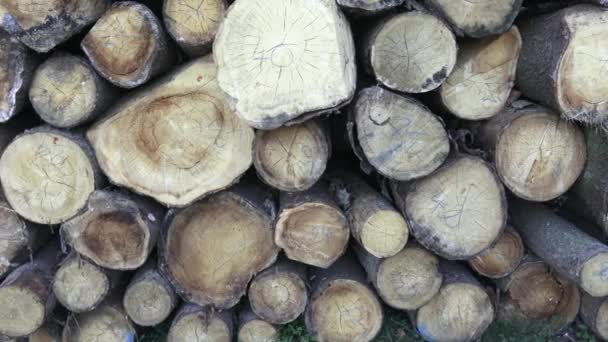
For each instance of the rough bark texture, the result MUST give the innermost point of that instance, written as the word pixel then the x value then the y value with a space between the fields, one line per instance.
pixel 502 258
pixel 193 323
pixel 366 7
pixel 594 312
pixel 17 66
pixel 254 329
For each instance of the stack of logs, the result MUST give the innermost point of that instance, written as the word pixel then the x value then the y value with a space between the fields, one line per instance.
pixel 228 167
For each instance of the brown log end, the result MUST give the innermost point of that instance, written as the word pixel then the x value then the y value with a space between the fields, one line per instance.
pixel 502 258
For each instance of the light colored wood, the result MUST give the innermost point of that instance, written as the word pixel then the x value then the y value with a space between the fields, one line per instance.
pixel 254 329
pixel 502 258
pixel 108 323
pixel 195 323
pixel 17 66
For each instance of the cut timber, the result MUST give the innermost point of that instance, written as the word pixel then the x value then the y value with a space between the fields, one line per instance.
pixel 484 75
pixel 412 52
pixel 149 298
pixel 117 230
pixel 47 174
pixel 49 332
pixel 66 91
pixel 563 246
pixel 342 307
pixel 194 23
pixel 374 222
pixel 562 62
pixel 42 25
pixel 195 323
pixel 212 249
pixel 311 228
pixel 458 211
pixel 292 158
pixel 279 294
pixel 594 312
pixel 537 154
pixel 405 281
pixel 398 135
pixel 476 18
pixel 254 329
pixel 461 311
pixel 107 323
pixel 502 258
pixel 279 59
pixel 369 7
pixel 17 66
pixel 26 296
pixel 128 45
pixel 184 142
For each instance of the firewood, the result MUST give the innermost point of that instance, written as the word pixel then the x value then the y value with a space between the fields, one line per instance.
pixel 342 307
pixel 292 158
pixel 66 91
pixel 561 63
pixel 310 227
pixel 594 312
pixel 193 24
pixel 49 332
pixel 195 323
pixel 128 45
pixel 184 141
pixel 365 7
pixel 279 60
pixel 254 329
pixel 17 66
pixel 211 249
pixel 502 258
pixel 458 211
pixel 116 230
pixel 108 323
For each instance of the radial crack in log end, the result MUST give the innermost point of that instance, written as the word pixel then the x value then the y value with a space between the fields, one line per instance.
pixel 16 70
pixel 194 323
pixel 258 331
pixel 502 258
pixel 107 323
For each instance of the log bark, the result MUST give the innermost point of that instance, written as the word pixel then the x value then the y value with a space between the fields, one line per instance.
pixel 537 154
pixel 49 332
pixel 419 61
pixel 212 249
pixel 254 329
pixel 368 8
pixel 117 230
pixel 594 312
pixel 570 251
pixel 397 135
pixel 502 258
pixel 195 323
pixel 150 298
pixel 342 307
pixel 561 63
pixel 128 45
pixel 43 25
pixel 458 211
pixel 184 142
pixel 47 174
pixel 279 62
pixel 67 92
pixel 374 222
pixel 310 226
pixel 17 66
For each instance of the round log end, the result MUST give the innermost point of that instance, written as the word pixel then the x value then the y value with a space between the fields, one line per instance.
pixel 148 303
pixel 502 258
pixel 106 323
pixel 601 320
pixel 14 236
pixel 536 290
pixel 384 233
pixel 22 311
pixel 80 285
pixel 197 326
pixel 594 275
pixel 258 331
pixel 278 297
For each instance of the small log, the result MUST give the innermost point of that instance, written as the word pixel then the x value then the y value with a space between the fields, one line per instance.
pixel 461 311
pixel 310 227
pixel 398 135
pixel 107 323
pixel 594 312
pixel 405 281
pixel 128 45
pixel 342 307
pixel 212 249
pixel 502 258
pixel 561 62
pixel 483 78
pixel 149 298
pixel 254 329
pixel 17 66
pixel 49 332
pixel 66 91
pixel 458 211
pixel 26 296
pixel 47 174
pixel 195 323
pixel 419 60
pixel 367 8
pixel 292 158
pixel 42 25
pixel 279 60
pixel 184 141
pixel 193 24
pixel 374 221
pixel 578 256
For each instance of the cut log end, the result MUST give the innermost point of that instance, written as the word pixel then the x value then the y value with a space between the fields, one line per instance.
pixel 80 285
pixel 22 311
pixel 148 303
pixel 15 237
pixel 258 331
pixel 601 320
pixel 384 233
pixel 278 297
pixel 199 324
pixel 502 258
pixel 106 323
pixel 594 275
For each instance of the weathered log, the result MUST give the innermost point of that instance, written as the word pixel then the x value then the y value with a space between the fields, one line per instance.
pixel 184 141
pixel 116 230
pixel 279 60
pixel 397 135
pixel 342 307
pixel 107 323
pixel 128 45
pixel 561 63
pixel 310 227
pixel 502 258
pixel 366 7
pixel 49 332
pixel 47 174
pixel 66 91
pixel 594 312
pixel 254 329
pixel 578 256
pixel 484 75
pixel 17 66
pixel 195 323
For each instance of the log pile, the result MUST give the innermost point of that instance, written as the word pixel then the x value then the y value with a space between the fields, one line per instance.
pixel 223 169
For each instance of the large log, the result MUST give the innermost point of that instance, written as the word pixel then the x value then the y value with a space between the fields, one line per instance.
pixel 128 45
pixel 195 323
pixel 561 63
pixel 279 60
pixel 184 141
pixel 254 329
pixel 17 66
pixel 367 7
pixel 107 323
pixel 594 312
pixel 502 258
